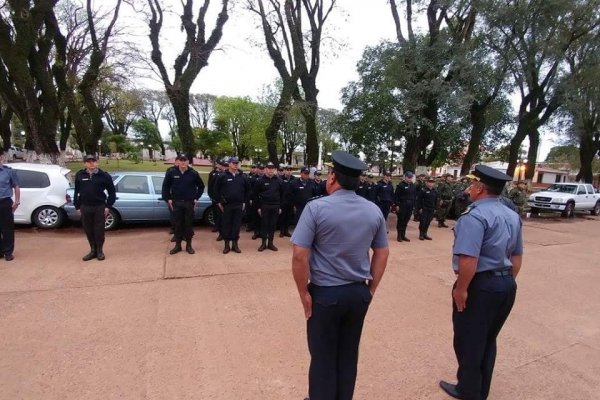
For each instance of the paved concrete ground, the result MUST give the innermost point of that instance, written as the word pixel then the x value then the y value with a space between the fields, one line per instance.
pixel 146 325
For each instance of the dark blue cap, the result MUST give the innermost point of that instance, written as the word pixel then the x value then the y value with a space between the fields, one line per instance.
pixel 409 174
pixel 304 169
pixel 489 176
pixel 270 165
pixel 347 164
pixel 234 160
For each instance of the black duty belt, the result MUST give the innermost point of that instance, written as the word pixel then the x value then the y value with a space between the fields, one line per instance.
pixel 504 272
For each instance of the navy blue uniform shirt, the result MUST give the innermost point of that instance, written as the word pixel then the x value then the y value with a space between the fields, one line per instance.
pixel 232 189
pixel 93 189
pixel 185 185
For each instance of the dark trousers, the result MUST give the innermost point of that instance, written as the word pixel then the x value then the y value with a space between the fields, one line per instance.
pixel 489 303
pixel 218 215
pixel 425 219
pixel 268 224
pixel 7 227
pixel 334 331
pixel 384 206
pixel 183 216
pixel 286 217
pixel 92 220
pixel 254 218
pixel 405 210
pixel 232 221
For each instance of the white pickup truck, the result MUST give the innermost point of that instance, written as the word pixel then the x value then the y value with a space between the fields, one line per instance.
pixel 566 198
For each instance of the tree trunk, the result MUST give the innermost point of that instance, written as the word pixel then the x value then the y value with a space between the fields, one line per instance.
pixel 309 112
pixel 525 125
pixel 587 152
pixel 534 145
pixel 181 107
pixel 411 154
pixel 279 114
pixel 5 118
pixel 478 120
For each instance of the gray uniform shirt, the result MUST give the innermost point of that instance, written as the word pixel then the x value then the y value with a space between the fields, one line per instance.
pixel 340 229
pixel 490 231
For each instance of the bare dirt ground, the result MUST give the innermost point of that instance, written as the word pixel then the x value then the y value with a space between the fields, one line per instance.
pixel 147 325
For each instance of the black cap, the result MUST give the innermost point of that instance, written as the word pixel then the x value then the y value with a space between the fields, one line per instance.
pixel 347 164
pixel 253 166
pixel 260 166
pixel 317 172
pixel 409 174
pixel 270 165
pixel 89 157
pixel 430 179
pixel 304 170
pixel 181 157
pixel 489 176
pixel 288 168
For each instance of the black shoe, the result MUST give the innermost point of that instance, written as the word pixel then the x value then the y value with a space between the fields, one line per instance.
pixel 100 253
pixel 255 236
pixel 219 238
pixel 286 233
pixel 281 234
pixel 263 246
pixel 215 229
pixel 442 225
pixel 249 229
pixel 227 249
pixel 175 249
pixel 421 237
pixel 427 237
pixel 189 249
pixel 399 239
pixel 235 247
pixel 172 231
pixel 405 239
pixel 450 389
pixel 173 240
pixel 89 256
pixel 272 247
pixel 9 257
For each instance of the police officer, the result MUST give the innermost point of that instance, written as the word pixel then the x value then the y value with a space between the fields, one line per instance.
pixel 182 188
pixel 487 256
pixel 426 201
pixel 445 196
pixel 419 184
pixel 461 197
pixel 385 194
pixel 361 190
pixel 212 178
pixel 303 189
pixel 404 200
pixel 518 195
pixel 320 184
pixel 9 183
pixel 90 197
pixel 253 215
pixel 269 190
pixel 232 189
pixel 287 207
pixel 171 216
pixel 371 188
pixel 332 251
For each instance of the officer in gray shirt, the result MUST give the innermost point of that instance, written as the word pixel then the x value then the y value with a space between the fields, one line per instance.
pixel 487 256
pixel 331 250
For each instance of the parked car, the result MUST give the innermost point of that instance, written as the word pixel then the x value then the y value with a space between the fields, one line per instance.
pixel 43 189
pixel 139 199
pixel 566 198
pixel 15 153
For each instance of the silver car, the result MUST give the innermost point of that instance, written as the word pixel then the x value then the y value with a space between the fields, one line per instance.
pixel 139 199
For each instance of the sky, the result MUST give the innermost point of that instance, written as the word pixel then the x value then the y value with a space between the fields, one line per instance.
pixel 241 67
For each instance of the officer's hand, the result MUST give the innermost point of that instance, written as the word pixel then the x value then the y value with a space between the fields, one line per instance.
pixel 460 299
pixel 14 207
pixel 170 203
pixel 220 207
pixel 243 206
pixel 280 211
pixel 106 211
pixel 307 304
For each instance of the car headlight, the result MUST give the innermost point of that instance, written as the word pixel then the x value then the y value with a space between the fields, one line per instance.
pixel 558 200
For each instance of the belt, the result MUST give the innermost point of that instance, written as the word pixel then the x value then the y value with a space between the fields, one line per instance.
pixel 504 272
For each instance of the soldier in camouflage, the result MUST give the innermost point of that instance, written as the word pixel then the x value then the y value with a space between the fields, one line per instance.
pixel 445 196
pixel 518 196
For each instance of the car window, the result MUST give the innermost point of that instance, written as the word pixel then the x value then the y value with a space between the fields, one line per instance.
pixel 581 190
pixel 157 181
pixel 32 179
pixel 590 189
pixel 133 184
pixel 562 188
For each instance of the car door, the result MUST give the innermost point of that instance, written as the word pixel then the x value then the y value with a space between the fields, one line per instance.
pixel 591 196
pixel 161 209
pixel 581 198
pixel 134 201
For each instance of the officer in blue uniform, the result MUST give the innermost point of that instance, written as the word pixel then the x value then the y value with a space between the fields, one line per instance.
pixel 9 183
pixel 426 202
pixel 269 190
pixel 385 194
pixel 303 190
pixel 332 252
pixel 404 199
pixel 487 256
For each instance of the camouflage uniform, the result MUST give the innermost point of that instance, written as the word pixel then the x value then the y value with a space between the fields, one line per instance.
pixel 518 195
pixel 445 196
pixel 461 199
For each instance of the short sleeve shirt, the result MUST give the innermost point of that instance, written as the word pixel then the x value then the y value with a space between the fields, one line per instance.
pixel 8 181
pixel 340 229
pixel 489 231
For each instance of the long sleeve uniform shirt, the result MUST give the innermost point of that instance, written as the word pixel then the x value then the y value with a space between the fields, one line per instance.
pixel 186 185
pixel 406 192
pixel 302 191
pixel 426 198
pixel 269 191
pixel 385 192
pixel 93 189
pixel 232 189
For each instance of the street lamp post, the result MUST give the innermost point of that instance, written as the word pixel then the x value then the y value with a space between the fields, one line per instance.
pixel 99 148
pixel 142 157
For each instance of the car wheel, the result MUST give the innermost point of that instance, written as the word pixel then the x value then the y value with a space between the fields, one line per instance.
pixel 596 209
pixel 569 210
pixel 112 220
pixel 535 212
pixel 209 216
pixel 47 217
pixel 14 157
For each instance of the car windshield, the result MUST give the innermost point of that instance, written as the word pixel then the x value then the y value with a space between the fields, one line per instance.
pixel 562 188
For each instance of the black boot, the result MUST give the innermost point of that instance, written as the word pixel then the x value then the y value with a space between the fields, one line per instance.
pixel 235 247
pixel 219 238
pixel 99 252
pixel 404 238
pixel 189 248
pixel 255 236
pixel 92 254
pixel 421 235
pixel 271 246
pixel 263 246
pixel 399 237
pixel 227 249
pixel 442 224
pixel 281 234
pixel 173 239
pixel 176 249
pixel 426 237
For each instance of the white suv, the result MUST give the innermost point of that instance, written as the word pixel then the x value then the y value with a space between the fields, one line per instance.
pixel 43 188
pixel 566 198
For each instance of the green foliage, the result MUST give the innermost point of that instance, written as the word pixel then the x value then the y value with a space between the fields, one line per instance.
pixel 564 155
pixel 147 132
